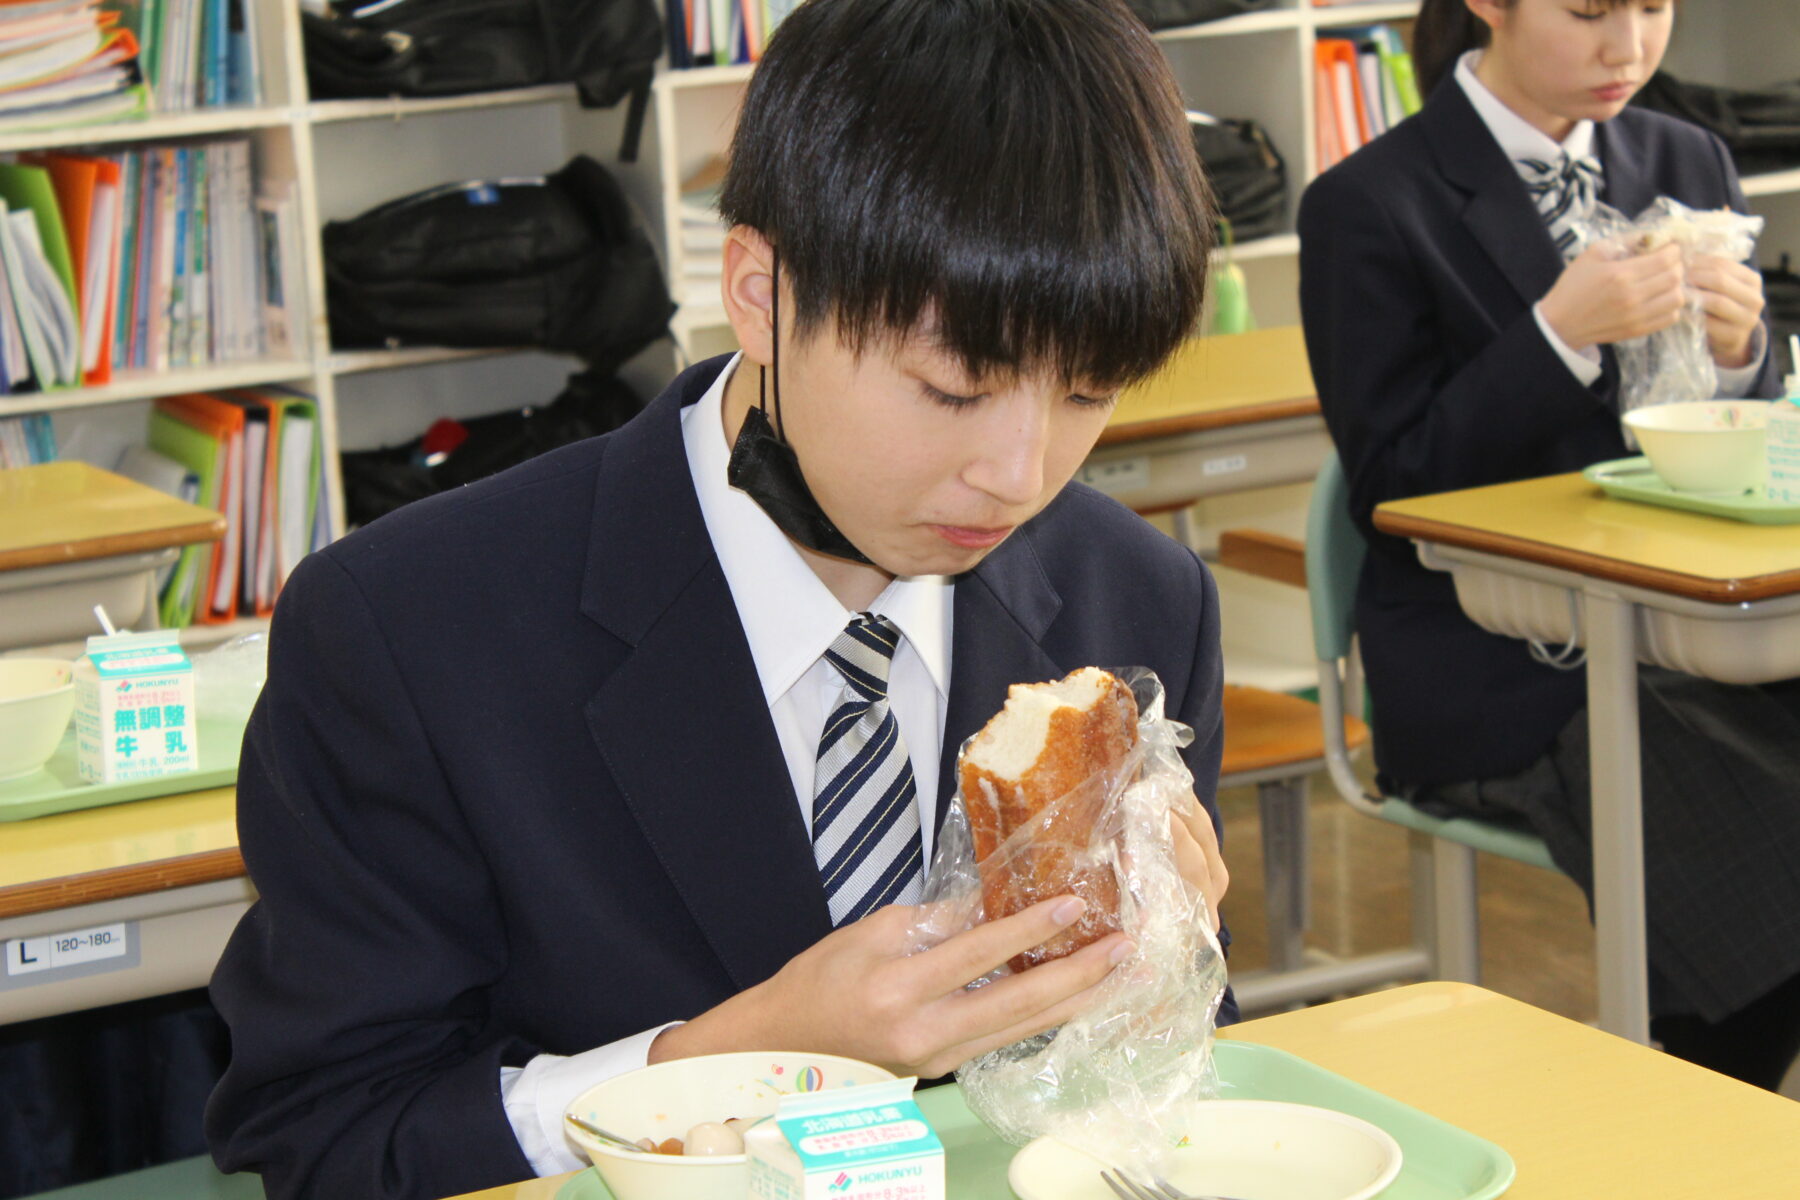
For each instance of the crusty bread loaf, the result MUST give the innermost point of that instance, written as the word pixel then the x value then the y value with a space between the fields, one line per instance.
pixel 1066 740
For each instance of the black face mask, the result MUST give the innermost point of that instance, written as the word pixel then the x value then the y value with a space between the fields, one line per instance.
pixel 765 467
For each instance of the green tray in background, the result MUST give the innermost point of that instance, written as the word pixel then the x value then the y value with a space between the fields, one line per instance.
pixel 1440 1161
pixel 58 786
pixel 1632 479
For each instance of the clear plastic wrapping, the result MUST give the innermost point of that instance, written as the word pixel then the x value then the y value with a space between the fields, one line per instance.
pixel 1675 364
pixel 1116 1080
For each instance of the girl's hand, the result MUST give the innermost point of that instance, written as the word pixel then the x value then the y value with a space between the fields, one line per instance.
pixel 1732 295
pixel 1600 299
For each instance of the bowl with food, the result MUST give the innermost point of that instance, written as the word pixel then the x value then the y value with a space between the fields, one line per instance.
pixel 37 697
pixel 1706 447
pixel 686 1119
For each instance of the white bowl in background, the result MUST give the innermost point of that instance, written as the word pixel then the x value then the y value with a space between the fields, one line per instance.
pixel 670 1098
pixel 37 697
pixel 1250 1149
pixel 1708 447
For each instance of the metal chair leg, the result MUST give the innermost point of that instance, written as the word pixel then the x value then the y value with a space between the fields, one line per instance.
pixel 1286 892
pixel 1454 898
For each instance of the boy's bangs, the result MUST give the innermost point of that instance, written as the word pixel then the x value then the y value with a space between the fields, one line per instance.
pixel 1031 200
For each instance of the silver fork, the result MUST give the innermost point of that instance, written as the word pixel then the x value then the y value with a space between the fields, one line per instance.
pixel 1126 1188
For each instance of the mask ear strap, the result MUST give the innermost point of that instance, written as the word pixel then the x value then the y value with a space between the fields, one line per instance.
pixel 775 349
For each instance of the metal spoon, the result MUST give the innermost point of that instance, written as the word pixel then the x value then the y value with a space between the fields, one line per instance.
pixel 610 1138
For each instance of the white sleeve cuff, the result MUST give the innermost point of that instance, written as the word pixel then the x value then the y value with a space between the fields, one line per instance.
pixel 1736 382
pixel 536 1094
pixel 1584 365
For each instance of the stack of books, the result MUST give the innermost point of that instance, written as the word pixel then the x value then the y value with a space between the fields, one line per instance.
pixel 26 441
pixel 158 258
pixel 719 33
pixel 702 233
pixel 198 53
pixel 1363 86
pixel 257 458
pixel 66 62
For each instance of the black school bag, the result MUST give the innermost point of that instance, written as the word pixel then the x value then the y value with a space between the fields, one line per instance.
pixel 1761 127
pixel 1172 14
pixel 559 262
pixel 606 48
pixel 1248 176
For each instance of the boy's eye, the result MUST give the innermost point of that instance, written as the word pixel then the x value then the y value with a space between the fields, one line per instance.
pixel 1093 401
pixel 951 399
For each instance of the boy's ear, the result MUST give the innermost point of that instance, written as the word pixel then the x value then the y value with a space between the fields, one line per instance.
pixel 748 291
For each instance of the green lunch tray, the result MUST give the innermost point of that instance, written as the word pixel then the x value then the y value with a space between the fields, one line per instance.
pixel 1632 479
pixel 58 787
pixel 1439 1160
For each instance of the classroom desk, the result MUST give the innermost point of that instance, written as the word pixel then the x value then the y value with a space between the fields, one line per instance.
pixel 1227 414
pixel 167 869
pixel 1583 1114
pixel 1556 559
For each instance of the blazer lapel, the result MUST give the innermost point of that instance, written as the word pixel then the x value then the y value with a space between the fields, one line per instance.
pixel 1499 213
pixel 706 781
pixel 1002 609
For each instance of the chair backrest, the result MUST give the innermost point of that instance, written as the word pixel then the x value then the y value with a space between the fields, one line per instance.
pixel 1334 558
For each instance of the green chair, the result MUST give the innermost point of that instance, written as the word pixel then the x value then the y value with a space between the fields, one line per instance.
pixel 188 1179
pixel 1445 916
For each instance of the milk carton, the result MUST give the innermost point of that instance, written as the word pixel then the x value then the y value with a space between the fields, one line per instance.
pixel 854 1143
pixel 134 708
pixel 1783 442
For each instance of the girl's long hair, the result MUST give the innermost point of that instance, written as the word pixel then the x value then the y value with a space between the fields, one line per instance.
pixel 1445 31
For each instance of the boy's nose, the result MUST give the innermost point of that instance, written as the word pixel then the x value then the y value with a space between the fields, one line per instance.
pixel 1009 465
pixel 1624 41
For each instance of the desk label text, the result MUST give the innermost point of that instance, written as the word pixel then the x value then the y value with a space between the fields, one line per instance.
pixel 76 952
pixel 1231 464
pixel 1117 475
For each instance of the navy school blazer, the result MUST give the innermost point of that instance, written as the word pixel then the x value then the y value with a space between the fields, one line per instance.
pixel 512 787
pixel 1421 256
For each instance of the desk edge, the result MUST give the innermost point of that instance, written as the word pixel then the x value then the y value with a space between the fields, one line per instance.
pixel 113 883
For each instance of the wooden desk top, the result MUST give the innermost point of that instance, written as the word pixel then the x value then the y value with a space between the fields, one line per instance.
pixel 70 511
pixel 1564 521
pixel 118 850
pixel 1216 382
pixel 1583 1114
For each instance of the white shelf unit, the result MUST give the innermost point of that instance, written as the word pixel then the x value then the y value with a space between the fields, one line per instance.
pixel 346 156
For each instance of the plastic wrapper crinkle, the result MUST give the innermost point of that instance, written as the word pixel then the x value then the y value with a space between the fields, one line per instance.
pixel 1675 364
pixel 1116 1080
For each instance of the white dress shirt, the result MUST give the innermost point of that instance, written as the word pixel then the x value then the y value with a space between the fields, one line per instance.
pixel 1520 139
pixel 790 619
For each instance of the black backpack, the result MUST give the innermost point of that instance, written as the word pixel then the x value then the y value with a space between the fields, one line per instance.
pixel 1248 176
pixel 376 482
pixel 1760 127
pixel 1172 14
pixel 559 262
pixel 606 48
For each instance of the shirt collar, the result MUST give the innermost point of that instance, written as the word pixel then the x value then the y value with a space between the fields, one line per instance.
pixel 789 616
pixel 1518 137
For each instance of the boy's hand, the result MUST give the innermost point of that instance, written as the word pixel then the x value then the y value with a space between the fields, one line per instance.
pixel 1197 856
pixel 1732 295
pixel 859 993
pixel 1600 299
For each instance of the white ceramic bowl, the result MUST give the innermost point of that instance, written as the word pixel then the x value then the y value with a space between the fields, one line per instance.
pixel 1709 447
pixel 37 697
pixel 1250 1149
pixel 670 1098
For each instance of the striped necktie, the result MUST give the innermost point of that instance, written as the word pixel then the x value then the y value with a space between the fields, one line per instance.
pixel 1564 192
pixel 865 803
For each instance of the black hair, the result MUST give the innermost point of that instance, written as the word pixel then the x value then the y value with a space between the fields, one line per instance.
pixel 1015 177
pixel 1446 30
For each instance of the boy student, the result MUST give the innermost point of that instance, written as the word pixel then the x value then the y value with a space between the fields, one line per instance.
pixel 659 727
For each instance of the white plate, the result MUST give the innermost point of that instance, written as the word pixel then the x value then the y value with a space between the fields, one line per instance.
pixel 1246 1149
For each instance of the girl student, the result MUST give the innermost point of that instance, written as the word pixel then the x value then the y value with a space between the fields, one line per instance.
pixel 1458 339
